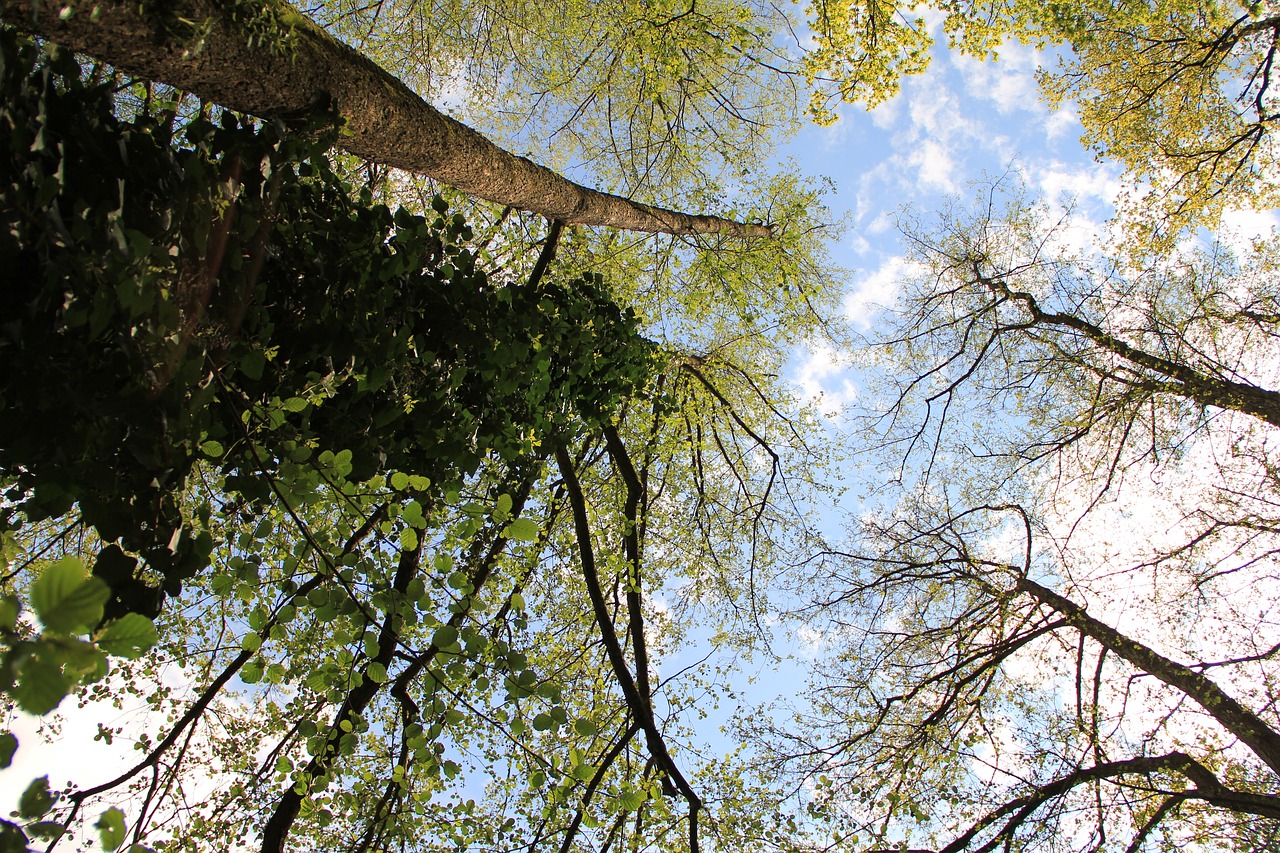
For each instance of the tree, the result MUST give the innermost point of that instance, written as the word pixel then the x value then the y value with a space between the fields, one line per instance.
pixel 272 62
pixel 984 709
pixel 1048 633
pixel 1182 95
pixel 311 438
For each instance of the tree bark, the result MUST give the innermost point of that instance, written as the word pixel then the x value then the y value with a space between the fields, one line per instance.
pixel 1183 380
pixel 1251 729
pixel 386 121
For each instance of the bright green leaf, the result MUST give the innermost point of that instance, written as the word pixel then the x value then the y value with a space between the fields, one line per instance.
pixel 521 530
pixel 129 637
pixel 111 828
pixel 66 600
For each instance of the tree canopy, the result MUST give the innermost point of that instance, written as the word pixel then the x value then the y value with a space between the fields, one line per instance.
pixel 383 505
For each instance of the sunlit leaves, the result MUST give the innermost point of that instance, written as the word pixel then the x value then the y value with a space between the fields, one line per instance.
pixel 65 600
pixel 128 637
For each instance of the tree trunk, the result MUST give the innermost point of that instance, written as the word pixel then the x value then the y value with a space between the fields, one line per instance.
pixel 1251 729
pixel 386 121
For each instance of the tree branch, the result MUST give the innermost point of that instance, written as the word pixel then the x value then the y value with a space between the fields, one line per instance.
pixel 306 72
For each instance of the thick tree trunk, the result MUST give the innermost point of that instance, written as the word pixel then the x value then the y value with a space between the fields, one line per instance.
pixel 387 122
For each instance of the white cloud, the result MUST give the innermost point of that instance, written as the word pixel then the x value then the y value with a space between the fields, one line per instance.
pixel 1061 121
pixel 886 115
pixel 936 113
pixel 870 293
pixel 935 167
pixel 1093 184
pixel 820 378
pixel 1239 228
pixel 1009 82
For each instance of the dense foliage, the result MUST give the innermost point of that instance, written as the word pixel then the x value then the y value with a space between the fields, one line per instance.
pixel 217 293
pixel 205 330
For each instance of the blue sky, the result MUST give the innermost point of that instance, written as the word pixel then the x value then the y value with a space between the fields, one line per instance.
pixel 964 122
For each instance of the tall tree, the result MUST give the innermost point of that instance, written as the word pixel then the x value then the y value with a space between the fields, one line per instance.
pixel 320 432
pixel 1050 632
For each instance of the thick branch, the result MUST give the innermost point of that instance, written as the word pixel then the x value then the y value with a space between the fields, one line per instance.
pixel 1234 717
pixel 385 121
pixel 1187 382
pixel 1016 811
pixel 639 707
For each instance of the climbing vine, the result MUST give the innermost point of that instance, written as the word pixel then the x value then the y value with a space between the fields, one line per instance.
pixel 202 288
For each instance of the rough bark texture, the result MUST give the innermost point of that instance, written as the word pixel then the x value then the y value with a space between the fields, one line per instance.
pixel 1182 379
pixel 388 123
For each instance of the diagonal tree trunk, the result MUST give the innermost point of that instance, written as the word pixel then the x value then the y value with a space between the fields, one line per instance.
pixel 387 122
pixel 1252 730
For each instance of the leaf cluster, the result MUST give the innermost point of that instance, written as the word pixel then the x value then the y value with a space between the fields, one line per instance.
pixel 216 292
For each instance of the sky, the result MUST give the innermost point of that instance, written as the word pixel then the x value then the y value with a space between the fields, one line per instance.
pixel 964 123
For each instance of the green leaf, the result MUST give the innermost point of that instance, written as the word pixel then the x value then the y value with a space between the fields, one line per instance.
pixel 629 801
pixel 252 363
pixel 45 830
pixel 413 515
pixel 76 657
pixel 111 828
pixel 66 600
pixel 502 511
pixel 8 746
pixel 251 672
pixel 543 722
pixel 12 838
pixel 41 686
pixel 9 608
pixel 129 637
pixel 36 801
pixel 522 530
pixel 586 728
pixel 377 673
pixel 444 637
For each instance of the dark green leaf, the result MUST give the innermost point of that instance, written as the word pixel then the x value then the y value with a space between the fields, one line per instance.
pixel 36 801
